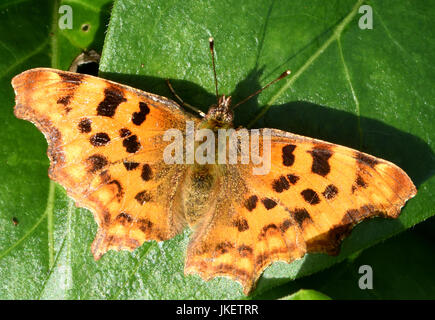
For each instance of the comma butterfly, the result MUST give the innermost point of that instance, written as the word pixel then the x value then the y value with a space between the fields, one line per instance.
pixel 106 143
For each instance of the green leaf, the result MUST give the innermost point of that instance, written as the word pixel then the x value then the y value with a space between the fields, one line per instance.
pixel 305 294
pixel 30 38
pixel 367 89
pixel 401 268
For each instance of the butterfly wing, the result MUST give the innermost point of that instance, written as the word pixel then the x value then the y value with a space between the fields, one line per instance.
pixel 329 188
pixel 105 142
pixel 313 195
pixel 238 238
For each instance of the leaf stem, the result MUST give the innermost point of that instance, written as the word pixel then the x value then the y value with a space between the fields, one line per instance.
pixel 49 213
pixel 53 35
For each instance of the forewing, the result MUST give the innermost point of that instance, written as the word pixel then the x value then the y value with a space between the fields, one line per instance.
pixel 105 147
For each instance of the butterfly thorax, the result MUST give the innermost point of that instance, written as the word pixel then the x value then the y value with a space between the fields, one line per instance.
pixel 219 115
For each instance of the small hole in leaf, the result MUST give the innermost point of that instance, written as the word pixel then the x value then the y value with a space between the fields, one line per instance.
pixel 85 27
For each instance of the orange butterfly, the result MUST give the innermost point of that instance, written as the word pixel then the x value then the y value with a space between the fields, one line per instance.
pixel 106 143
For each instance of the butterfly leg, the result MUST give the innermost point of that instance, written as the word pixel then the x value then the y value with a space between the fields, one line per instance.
pixel 202 114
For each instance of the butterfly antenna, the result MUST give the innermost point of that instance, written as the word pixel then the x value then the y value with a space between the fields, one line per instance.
pixel 184 104
pixel 282 76
pixel 211 41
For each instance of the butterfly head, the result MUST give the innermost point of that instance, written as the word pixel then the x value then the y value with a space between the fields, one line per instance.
pixel 220 114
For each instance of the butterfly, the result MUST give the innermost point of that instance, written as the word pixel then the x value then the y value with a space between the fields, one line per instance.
pixel 106 144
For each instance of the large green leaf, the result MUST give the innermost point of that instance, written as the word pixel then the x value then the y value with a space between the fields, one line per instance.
pixel 30 37
pixel 401 268
pixel 367 89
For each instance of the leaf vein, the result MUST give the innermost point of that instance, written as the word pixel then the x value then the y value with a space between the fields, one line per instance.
pixel 354 96
pixel 335 34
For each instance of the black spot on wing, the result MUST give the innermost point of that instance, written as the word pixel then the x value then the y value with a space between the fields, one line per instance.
pixel 320 163
pixel 301 215
pixel 360 182
pixel 146 172
pixel 72 81
pixel 71 77
pixel 124 217
pixel 139 117
pixel 224 247
pixel 96 162
pixel 266 229
pixel 280 184
pixel 310 196
pixel 124 132
pixel 106 217
pixel 145 225
pixel 251 202
pixel 330 192
pixel 85 125
pixel 366 159
pixel 268 203
pixel 64 100
pixel 241 224
pixel 113 97
pixel 143 197
pixel 292 178
pixel 131 144
pixel 285 225
pixel 99 139
pixel 245 251
pixel 130 165
pixel 287 155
